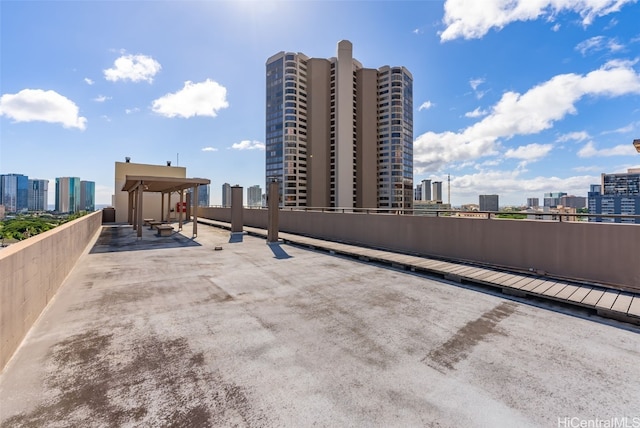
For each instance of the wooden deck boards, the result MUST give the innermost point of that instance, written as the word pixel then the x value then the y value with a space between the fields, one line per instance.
pixel 592 298
pixel 622 303
pixel 607 300
pixel 634 307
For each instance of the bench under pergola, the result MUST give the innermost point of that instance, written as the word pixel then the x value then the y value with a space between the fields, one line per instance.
pixel 136 185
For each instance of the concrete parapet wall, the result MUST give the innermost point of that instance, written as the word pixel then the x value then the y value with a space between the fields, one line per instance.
pixel 31 271
pixel 603 253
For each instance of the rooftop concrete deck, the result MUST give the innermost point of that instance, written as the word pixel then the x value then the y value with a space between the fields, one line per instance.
pixel 169 331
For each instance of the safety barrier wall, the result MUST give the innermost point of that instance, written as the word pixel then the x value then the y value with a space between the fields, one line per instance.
pixel 602 253
pixel 31 271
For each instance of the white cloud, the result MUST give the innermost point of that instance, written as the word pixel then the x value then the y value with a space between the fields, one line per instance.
pixel 133 67
pixel 472 19
pixel 476 113
pixel 88 81
pixel 195 99
pixel 612 23
pixel 512 187
pixel 474 83
pixel 589 150
pixel 530 152
pixel 588 169
pixel 598 43
pixel 524 114
pixel 248 145
pixel 624 130
pixel 31 105
pixel 101 98
pixel 417 31
pixel 556 28
pixel 573 136
pixel 209 149
pixel 131 110
pixel 426 105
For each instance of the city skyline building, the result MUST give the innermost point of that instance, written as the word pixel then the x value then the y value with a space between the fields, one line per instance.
pixel 226 195
pixel 204 195
pixel 67 194
pixel 572 201
pixel 616 194
pixel 488 203
pixel 87 196
pixel 417 193
pixel 38 195
pixel 552 200
pixel 436 193
pixel 533 202
pixel 254 196
pixel 339 134
pixel 426 190
pixel 14 192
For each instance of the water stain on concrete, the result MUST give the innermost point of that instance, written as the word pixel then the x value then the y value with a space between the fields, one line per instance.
pixel 216 293
pixel 460 345
pixel 160 383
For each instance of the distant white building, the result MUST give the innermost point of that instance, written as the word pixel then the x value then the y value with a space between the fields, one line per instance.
pixel 254 196
pixel 226 195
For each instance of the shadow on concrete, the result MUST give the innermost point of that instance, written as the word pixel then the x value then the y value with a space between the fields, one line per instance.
pixel 124 238
pixel 277 250
pixel 236 237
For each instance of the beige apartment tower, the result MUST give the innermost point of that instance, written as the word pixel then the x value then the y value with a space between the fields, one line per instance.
pixel 339 134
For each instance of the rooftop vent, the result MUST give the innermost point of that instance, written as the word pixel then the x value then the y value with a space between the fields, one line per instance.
pixel 127 159
pixel 168 163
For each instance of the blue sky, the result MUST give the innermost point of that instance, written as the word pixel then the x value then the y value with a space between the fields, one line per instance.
pixel 517 98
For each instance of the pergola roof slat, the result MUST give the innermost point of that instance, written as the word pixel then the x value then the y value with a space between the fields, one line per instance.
pixel 161 184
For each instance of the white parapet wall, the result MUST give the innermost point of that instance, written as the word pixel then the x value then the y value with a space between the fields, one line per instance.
pixel 31 271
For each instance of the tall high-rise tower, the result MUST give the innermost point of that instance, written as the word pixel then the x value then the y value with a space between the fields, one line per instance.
pixel 68 194
pixel 87 196
pixel 38 195
pixel 14 192
pixel 226 195
pixel 338 134
pixel 254 196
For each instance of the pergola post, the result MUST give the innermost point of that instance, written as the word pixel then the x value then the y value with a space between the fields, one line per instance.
pixel 161 206
pixel 195 210
pixel 169 206
pixel 180 209
pixel 140 191
pixel 130 209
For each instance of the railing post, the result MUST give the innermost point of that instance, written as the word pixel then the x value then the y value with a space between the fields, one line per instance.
pixel 236 209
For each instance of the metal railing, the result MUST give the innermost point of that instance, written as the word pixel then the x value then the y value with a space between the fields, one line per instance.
pixel 501 215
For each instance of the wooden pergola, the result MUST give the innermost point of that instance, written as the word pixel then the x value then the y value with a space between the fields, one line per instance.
pixel 136 185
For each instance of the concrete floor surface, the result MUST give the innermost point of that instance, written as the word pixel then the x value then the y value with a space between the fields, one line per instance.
pixel 171 332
